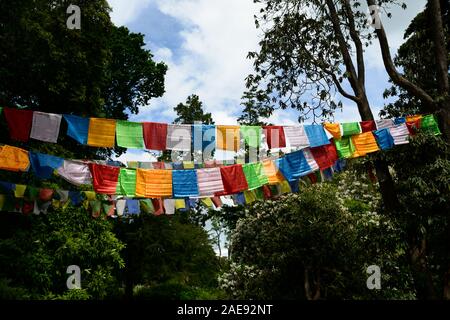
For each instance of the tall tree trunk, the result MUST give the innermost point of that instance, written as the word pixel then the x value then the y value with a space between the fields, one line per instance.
pixel 384 177
pixel 441 57
pixel 422 277
pixel 356 80
pixel 444 119
pixel 312 293
pixel 447 285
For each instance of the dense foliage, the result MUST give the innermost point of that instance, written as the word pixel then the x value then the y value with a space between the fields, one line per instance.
pixel 317 245
pixel 36 251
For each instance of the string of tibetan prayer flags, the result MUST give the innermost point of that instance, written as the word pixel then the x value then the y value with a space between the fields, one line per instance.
pixel 24 124
pixel 316 152
pixel 209 180
pixel 31 200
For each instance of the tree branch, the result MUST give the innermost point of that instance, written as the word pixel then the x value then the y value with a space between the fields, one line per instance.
pixel 396 77
pixel 440 49
pixel 353 79
pixel 358 44
pixel 341 90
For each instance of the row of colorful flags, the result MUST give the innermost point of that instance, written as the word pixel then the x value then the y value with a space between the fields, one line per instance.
pixel 213 178
pixel 159 187
pixel 31 200
pixel 24 124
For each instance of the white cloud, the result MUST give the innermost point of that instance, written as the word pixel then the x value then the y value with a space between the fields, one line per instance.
pixel 283 117
pixel 126 11
pixel 211 60
pixel 136 155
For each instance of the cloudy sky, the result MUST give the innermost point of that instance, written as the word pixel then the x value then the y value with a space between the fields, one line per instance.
pixel 205 44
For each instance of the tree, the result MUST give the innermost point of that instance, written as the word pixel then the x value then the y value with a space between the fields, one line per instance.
pixel 192 111
pixel 36 251
pixel 168 255
pixel 254 110
pixel 415 57
pixel 98 71
pixel 422 174
pixel 317 245
pixel 305 58
pixel 435 14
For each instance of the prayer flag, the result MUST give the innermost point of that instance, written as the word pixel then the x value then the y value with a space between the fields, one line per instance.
pixel 255 176
pixel 296 136
pixel 179 137
pixel 334 129
pixel 350 128
pixel 13 159
pixel 105 178
pixel 384 139
pixel 153 183
pixel 185 183
pixel 209 181
pixel 251 135
pixel 155 135
pixel 316 135
pixel 127 182
pixel 233 179
pixel 75 172
pixel 19 123
pixel 272 172
pixel 129 134
pixel 364 143
pixel 43 165
pixel 345 147
pixel 275 136
pixel 227 138
pixel 77 128
pixel 293 165
pixel 45 126
pixel 368 126
pixel 102 133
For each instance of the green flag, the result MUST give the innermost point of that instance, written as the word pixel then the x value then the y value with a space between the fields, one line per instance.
pixel 129 134
pixel 251 135
pixel 259 193
pixel 345 147
pixel 127 182
pixel 146 206
pixel 255 176
pixel 350 128
pixel 429 125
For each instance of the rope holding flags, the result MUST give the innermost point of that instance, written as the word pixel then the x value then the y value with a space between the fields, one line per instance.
pixel 24 124
pixel 314 151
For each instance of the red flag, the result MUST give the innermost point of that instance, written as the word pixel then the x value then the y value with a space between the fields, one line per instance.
pixel 275 136
pixel 368 126
pixel 217 202
pixel 413 126
pixel 267 192
pixel 325 156
pixel 45 194
pixel 233 179
pixel 158 205
pixel 155 135
pixel 104 178
pixel 313 178
pixel 28 207
pixel 19 123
